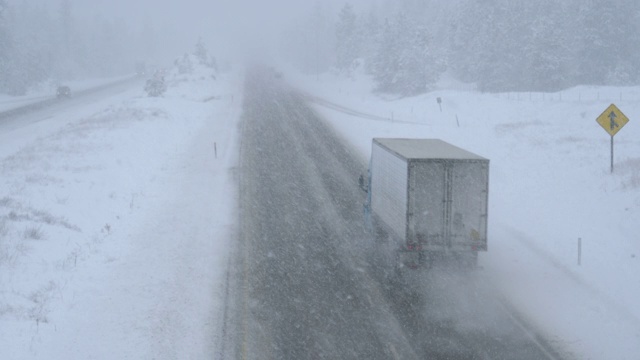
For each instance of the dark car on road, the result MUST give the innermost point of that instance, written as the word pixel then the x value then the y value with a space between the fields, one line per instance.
pixel 63 92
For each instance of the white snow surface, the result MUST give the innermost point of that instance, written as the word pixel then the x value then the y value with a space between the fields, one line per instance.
pixel 115 224
pixel 116 218
pixel 550 185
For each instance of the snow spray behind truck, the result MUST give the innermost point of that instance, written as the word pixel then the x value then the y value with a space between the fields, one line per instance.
pixel 429 198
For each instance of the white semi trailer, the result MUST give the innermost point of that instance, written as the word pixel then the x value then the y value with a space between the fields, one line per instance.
pixel 428 198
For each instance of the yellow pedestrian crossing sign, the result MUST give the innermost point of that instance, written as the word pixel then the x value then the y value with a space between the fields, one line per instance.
pixel 612 120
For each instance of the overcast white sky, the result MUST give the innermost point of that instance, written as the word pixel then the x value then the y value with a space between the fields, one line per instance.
pixel 217 21
pixel 233 21
pixel 199 15
pixel 224 25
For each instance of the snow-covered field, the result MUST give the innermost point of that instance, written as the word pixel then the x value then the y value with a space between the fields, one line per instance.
pixel 115 221
pixel 116 218
pixel 550 184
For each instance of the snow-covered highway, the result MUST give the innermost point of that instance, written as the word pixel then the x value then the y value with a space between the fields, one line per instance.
pixel 306 280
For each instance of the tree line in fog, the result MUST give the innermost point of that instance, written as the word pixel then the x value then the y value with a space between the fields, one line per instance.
pixel 499 45
pixel 40 43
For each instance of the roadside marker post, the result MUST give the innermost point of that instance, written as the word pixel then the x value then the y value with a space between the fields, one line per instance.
pixel 579 251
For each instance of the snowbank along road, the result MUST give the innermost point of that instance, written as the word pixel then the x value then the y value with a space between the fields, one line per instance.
pixel 303 283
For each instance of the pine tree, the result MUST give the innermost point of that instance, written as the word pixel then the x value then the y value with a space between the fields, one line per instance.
pixel 546 65
pixel 600 40
pixel 384 65
pixel 66 24
pixel 469 40
pixel 184 64
pixel 28 56
pixel 347 41
pixel 418 68
pixel 370 36
pixel 201 52
pixel 404 63
pixel 625 71
pixel 4 46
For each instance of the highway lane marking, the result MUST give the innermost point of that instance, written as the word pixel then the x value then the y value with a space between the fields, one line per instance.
pixel 372 288
pixel 241 237
pixel 245 325
pixel 225 314
pixel 530 333
pixel 394 352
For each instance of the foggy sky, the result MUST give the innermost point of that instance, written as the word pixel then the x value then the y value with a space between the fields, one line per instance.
pixel 225 26
pixel 222 24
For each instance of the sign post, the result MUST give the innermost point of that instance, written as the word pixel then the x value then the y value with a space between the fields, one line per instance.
pixel 612 120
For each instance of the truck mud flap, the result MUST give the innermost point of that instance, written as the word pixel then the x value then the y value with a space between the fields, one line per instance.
pixel 410 259
pixel 454 260
pixel 414 260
